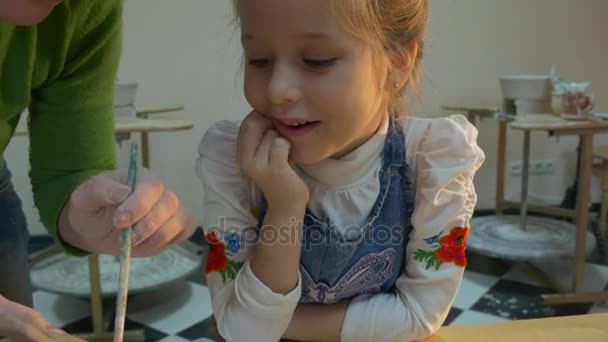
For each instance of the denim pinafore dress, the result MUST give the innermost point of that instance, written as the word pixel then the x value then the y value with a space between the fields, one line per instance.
pixel 367 259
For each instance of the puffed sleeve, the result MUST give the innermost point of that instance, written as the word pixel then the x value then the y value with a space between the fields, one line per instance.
pixel 447 157
pixel 245 308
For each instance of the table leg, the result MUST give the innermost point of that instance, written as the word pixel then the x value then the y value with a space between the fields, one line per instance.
pixel 500 166
pixel 96 298
pixel 569 200
pixel 582 219
pixel 145 145
pixel 524 181
pixel 582 210
pixel 472 117
pixel 603 218
pixel 145 149
pixel 99 333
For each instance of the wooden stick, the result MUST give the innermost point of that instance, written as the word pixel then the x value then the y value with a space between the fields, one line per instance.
pixel 125 260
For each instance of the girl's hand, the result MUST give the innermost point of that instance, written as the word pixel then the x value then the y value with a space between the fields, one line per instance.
pixel 264 157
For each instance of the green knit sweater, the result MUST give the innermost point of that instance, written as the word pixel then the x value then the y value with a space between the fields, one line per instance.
pixel 63 70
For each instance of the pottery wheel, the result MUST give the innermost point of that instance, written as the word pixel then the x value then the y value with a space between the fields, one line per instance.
pixel 64 274
pixel 544 238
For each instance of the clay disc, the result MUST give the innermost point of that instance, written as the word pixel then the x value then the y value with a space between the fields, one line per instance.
pixel 64 274
pixel 544 238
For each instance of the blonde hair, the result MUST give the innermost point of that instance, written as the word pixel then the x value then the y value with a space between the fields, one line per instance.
pixel 390 27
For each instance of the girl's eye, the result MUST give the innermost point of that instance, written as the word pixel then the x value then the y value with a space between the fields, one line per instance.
pixel 258 62
pixel 319 63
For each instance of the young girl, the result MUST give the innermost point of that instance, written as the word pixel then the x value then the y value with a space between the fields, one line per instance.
pixel 330 216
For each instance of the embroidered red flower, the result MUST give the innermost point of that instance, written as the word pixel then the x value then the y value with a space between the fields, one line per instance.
pixel 453 247
pixel 450 248
pixel 212 239
pixel 217 258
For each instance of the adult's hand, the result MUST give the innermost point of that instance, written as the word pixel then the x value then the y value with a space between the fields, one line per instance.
pixel 21 323
pixel 100 208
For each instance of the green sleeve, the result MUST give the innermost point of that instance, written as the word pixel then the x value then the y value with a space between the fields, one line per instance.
pixel 71 117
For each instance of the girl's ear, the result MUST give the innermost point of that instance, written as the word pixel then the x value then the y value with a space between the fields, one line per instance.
pixel 402 65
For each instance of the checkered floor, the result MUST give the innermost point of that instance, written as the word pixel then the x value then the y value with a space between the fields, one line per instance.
pixel 492 291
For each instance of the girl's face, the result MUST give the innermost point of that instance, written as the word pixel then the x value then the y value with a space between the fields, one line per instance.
pixel 26 12
pixel 322 87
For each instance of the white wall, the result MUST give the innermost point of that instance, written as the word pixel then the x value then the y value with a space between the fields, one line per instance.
pixel 472 42
pixel 185 52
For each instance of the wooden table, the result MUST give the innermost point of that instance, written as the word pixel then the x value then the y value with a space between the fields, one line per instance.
pixel 555 126
pixel 136 125
pixel 473 113
pixel 123 125
pixel 144 114
pixel 584 328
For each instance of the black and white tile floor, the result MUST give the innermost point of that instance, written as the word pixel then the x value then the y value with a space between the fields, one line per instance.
pixel 492 291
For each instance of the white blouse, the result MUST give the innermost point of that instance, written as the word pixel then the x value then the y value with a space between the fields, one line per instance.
pixel 445 156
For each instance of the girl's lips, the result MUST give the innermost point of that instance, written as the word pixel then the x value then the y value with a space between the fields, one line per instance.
pixel 292 129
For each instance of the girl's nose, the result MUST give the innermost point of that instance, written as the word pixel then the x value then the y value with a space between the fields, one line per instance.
pixel 283 87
